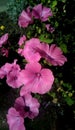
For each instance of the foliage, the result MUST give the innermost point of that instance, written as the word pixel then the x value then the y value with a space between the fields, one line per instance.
pixel 63 21
pixel 65 39
pixel 15 7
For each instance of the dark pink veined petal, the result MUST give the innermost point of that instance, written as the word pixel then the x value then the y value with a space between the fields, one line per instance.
pixel 44 47
pixel 25 19
pixel 5 69
pixel 33 105
pixel 20 106
pixel 15 126
pixel 33 67
pixel 54 50
pixel 14 120
pixel 26 76
pixel 41 12
pixel 36 12
pixel 46 12
pixel 52 54
pixel 57 58
pixel 31 102
pixel 30 51
pixel 20 101
pixel 13 79
pixel 11 71
pixel 31 55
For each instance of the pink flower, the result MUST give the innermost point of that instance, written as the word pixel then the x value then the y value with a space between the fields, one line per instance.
pixel 52 54
pixel 30 50
pixel 25 18
pixel 49 28
pixel 5 69
pixel 3 39
pixel 34 50
pixel 41 12
pixel 11 71
pixel 22 40
pixel 27 106
pixel 36 79
pixel 13 79
pixel 14 120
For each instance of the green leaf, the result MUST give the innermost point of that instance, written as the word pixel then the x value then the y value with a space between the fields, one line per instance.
pixel 69 101
pixel 63 1
pixel 56 24
pixel 54 3
pixel 64 48
pixel 68 86
pixel 52 94
pixel 43 39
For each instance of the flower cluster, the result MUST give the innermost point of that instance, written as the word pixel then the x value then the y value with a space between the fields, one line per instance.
pixel 25 106
pixel 38 12
pixel 33 78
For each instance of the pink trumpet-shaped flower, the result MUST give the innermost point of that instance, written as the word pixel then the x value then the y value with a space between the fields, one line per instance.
pixel 41 12
pixel 36 79
pixel 30 50
pixel 25 18
pixel 5 69
pixel 14 120
pixel 27 106
pixel 52 54
pixel 13 78
pixel 3 39
pixel 11 71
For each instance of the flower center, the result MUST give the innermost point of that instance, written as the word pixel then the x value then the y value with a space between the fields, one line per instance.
pixel 27 109
pixel 38 75
pixel 14 78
